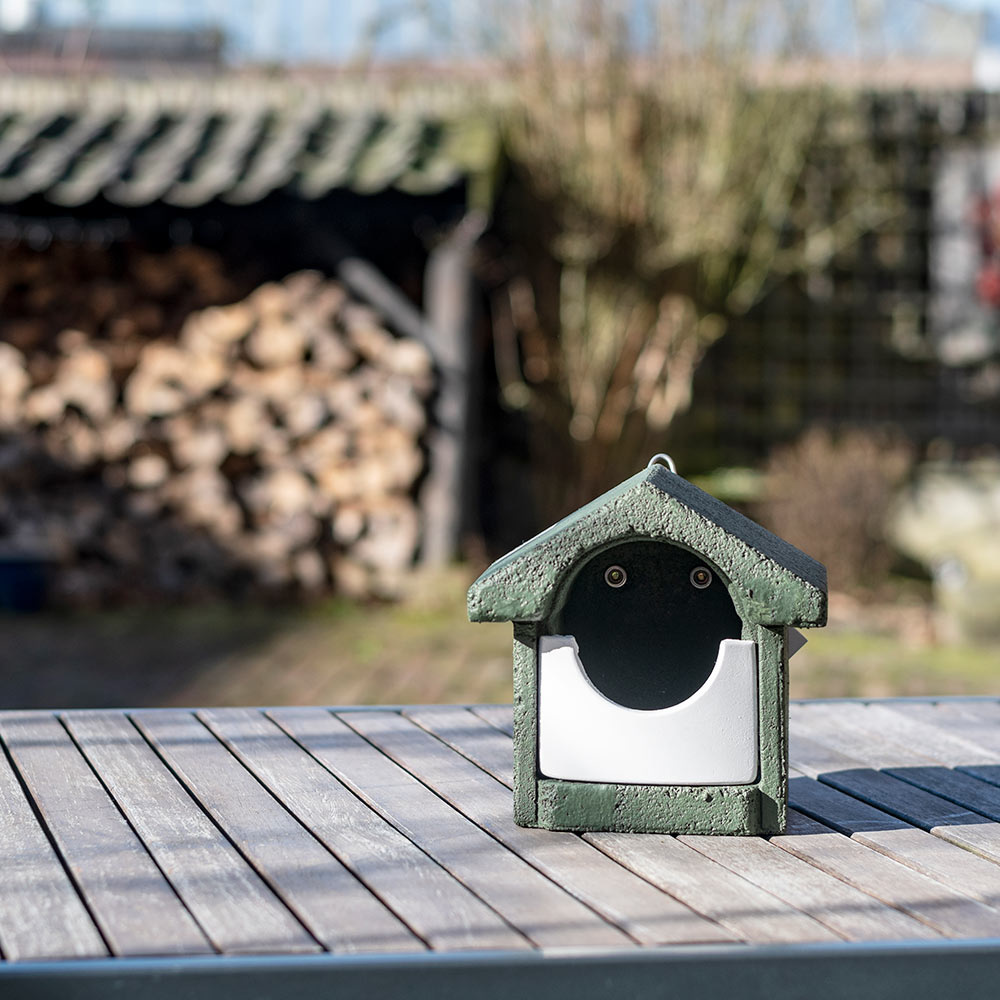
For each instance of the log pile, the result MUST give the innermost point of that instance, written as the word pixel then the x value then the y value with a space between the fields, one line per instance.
pixel 123 295
pixel 270 445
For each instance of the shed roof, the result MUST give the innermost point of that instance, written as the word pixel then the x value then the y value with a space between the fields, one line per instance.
pixel 187 142
pixel 778 584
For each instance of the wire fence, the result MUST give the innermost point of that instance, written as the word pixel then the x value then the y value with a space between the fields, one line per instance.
pixel 856 344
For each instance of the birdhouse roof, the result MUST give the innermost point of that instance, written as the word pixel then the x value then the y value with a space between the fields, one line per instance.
pixel 777 583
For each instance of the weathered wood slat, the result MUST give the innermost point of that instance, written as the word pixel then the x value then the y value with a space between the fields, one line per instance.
pixel 714 891
pixel 939 906
pixel 41 915
pixel 953 714
pixel 643 911
pixel 438 907
pixel 953 748
pixel 974 720
pixel 237 911
pixel 910 750
pixel 846 766
pixel 469 734
pixel 547 914
pixel 846 910
pixel 956 786
pixel 977 721
pixel 170 832
pixel 492 752
pixel 749 912
pixel 942 817
pixel 890 737
pixel 814 722
pixel 133 904
pixel 499 716
pixel 986 712
pixel 313 884
pixel 918 753
pixel 916 848
pixel 913 804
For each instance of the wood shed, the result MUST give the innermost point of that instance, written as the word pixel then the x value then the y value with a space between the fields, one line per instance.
pixel 235 332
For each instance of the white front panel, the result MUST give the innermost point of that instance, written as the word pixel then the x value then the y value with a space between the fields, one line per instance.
pixel 710 739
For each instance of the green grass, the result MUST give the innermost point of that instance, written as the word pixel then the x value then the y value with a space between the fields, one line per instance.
pixel 422 650
pixel 848 662
pixel 336 652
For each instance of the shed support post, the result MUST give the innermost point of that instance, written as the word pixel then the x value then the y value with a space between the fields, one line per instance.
pixel 447 498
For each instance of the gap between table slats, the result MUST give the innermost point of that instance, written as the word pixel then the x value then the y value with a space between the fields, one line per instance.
pixel 644 912
pixel 132 903
pixel 41 915
pixel 424 895
pixel 336 908
pixel 238 912
pixel 543 911
pixel 845 909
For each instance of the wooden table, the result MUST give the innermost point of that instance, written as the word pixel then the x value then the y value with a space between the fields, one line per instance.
pixel 371 853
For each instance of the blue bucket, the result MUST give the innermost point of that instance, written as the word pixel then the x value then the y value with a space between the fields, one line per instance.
pixel 23 583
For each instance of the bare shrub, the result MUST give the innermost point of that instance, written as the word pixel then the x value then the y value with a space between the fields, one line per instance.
pixel 830 496
pixel 656 192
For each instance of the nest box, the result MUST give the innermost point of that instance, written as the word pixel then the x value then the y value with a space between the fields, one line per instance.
pixel 652 630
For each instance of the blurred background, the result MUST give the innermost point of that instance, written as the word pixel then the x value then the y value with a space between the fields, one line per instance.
pixel 309 309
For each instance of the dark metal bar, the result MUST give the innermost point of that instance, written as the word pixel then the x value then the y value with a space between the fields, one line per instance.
pixel 446 500
pixel 796 972
pixel 368 283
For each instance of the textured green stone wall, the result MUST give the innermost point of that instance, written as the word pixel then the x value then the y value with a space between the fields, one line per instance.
pixel 712 809
pixel 758 808
pixel 526 723
pixel 772 584
pixel 772 692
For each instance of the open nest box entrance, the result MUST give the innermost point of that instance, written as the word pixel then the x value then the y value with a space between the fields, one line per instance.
pixel 644 677
pixel 648 618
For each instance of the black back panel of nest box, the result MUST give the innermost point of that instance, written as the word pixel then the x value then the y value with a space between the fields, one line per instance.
pixel 651 641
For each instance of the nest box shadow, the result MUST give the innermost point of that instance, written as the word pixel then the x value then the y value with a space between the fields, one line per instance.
pixel 652 630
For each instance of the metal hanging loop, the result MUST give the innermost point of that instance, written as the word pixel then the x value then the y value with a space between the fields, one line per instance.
pixel 663 459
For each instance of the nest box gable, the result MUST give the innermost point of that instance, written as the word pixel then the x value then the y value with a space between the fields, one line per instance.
pixel 772 583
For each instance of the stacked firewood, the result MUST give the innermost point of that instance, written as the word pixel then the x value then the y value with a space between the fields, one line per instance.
pixel 122 294
pixel 271 445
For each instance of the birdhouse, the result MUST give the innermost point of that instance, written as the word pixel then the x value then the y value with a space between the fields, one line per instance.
pixel 652 630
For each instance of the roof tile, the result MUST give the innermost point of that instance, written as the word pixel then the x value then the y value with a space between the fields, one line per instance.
pixel 72 141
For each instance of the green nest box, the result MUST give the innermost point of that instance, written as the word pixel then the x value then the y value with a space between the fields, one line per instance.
pixel 652 630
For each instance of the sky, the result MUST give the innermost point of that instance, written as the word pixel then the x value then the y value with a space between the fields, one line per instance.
pixel 258 29
pixel 336 30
